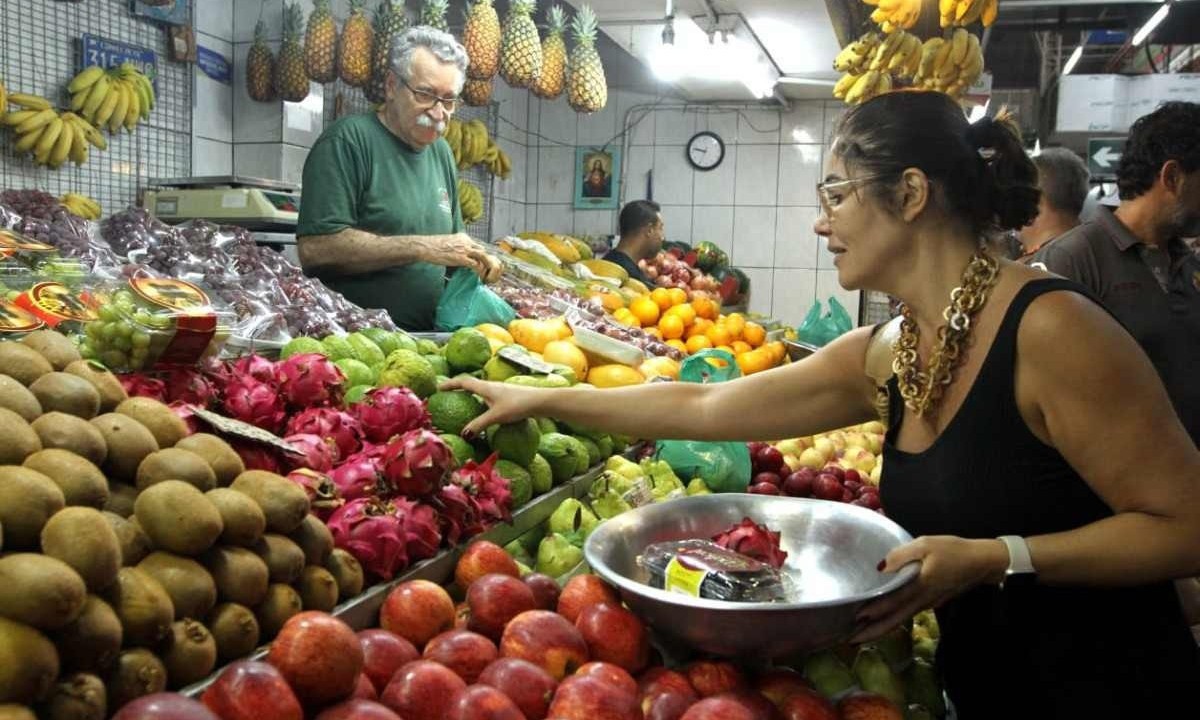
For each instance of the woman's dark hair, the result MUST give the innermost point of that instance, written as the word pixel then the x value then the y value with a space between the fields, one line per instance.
pixel 1172 132
pixel 980 170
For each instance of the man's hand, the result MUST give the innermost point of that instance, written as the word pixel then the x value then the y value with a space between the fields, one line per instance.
pixel 460 250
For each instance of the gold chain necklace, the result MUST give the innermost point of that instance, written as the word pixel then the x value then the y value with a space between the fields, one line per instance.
pixel 922 390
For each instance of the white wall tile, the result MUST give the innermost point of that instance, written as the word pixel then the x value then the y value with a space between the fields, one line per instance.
pixel 799 170
pixel 827 287
pixel 714 224
pixel 292 163
pixel 212 115
pixel 754 237
pixel 833 113
pixel 261 160
pixel 638 163
pixel 673 127
pixel 533 164
pixel 677 219
pixel 501 218
pixel 599 128
pixel 514 109
pixel 757 175
pixel 758 127
pixel 210 157
pixel 643 132
pixel 304 121
pixel 722 122
pixel 805 123
pixel 794 292
pixel 595 222
pixel 716 186
pixel 557 123
pixel 247 12
pixel 795 243
pixel 556 175
pixel 672 176
pixel 514 187
pixel 824 257
pixel 761 289
pixel 215 17
pixel 554 219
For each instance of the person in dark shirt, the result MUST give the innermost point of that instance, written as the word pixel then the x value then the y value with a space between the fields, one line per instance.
pixel 642 235
pixel 1063 179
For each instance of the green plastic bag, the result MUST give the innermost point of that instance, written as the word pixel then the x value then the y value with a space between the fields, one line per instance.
pixel 819 328
pixel 466 302
pixel 724 466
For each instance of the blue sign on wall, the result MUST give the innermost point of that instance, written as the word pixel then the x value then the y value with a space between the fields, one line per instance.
pixel 1107 37
pixel 111 53
pixel 214 65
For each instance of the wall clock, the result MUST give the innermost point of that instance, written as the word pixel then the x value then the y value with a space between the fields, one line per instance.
pixel 705 150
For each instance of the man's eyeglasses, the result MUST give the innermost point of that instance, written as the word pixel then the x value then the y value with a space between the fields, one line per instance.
pixel 428 99
pixel 829 201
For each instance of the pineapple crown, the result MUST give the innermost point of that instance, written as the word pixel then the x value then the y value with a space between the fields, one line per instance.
pixel 557 19
pixel 320 7
pixel 434 9
pixel 357 7
pixel 584 26
pixel 523 7
pixel 293 19
pixel 260 31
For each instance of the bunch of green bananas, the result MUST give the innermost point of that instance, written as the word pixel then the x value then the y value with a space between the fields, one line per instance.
pixel 472 146
pixel 950 64
pixel 81 205
pixel 470 201
pixel 960 13
pixel 51 137
pixel 113 98
pixel 892 15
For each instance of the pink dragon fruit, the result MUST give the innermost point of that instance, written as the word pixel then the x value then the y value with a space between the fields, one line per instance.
pixel 218 372
pixel 257 457
pixel 489 488
pixel 257 367
pixel 139 385
pixel 415 464
pixel 316 453
pixel 361 475
pixel 754 541
pixel 187 414
pixel 389 411
pixel 421 535
pixel 369 530
pixel 460 516
pixel 323 495
pixel 254 402
pixel 336 426
pixel 189 386
pixel 309 380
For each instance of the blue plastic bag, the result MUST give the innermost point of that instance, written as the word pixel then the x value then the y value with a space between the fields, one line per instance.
pixel 466 302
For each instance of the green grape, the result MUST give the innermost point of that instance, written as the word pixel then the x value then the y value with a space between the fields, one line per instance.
pixel 124 330
pixel 114 359
pixel 140 339
pixel 110 331
pixel 107 313
pixel 123 344
pixel 93 329
pixel 141 317
pixel 86 350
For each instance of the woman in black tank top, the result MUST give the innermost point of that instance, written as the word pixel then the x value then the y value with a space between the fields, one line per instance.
pixel 1053 493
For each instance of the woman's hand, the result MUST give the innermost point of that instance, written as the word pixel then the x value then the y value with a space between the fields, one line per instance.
pixel 949 566
pixel 506 403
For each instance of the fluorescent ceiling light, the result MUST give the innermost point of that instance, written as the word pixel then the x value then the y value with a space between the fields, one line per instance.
pixel 1155 20
pixel 1073 60
pixel 806 81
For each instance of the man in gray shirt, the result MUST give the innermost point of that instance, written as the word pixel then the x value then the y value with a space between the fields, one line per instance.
pixel 1063 180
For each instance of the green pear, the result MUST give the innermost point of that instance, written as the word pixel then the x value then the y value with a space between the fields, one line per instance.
pixel 925 649
pixel 923 687
pixel 698 487
pixel 557 556
pixel 609 504
pixel 518 552
pixel 532 538
pixel 874 675
pixel 573 520
pixel 897 647
pixel 828 674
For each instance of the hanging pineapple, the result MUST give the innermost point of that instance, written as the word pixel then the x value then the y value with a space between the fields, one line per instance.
pixel 320 44
pixel 477 92
pixel 390 21
pixel 550 83
pixel 587 90
pixel 260 67
pixel 481 37
pixel 521 56
pixel 355 51
pixel 291 82
pixel 433 14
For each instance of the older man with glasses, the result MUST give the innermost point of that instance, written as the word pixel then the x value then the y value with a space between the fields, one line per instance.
pixel 379 217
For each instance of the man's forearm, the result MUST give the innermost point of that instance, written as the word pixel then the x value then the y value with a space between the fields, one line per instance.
pixel 354 251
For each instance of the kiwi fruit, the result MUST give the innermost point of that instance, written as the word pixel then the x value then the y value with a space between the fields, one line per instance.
pixel 22 363
pixel 177 517
pixel 68 432
pixel 27 500
pixel 67 393
pixel 314 539
pixel 220 455
pixel 9 711
pixel 189 654
pixel 83 539
pixel 40 590
pixel 235 630
pixel 81 482
pixel 137 672
pixel 28 663
pixel 92 641
pixel 284 558
pixel 281 603
pixel 79 696
pixel 318 590
pixel 175 464
pixel 348 573
pixel 243 520
pixel 192 590
pixel 16 397
pixel 17 438
pixel 129 442
pixel 283 502
pixel 55 347
pixel 241 575
pixel 143 606
pixel 121 498
pixel 107 384
pixel 162 422
pixel 130 536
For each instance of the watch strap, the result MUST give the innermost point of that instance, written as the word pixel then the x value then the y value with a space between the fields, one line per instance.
pixel 1020 562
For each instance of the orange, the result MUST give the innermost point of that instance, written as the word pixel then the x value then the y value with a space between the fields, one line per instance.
pixel 736 324
pixel 726 348
pixel 777 349
pixel 626 317
pixel 696 343
pixel 671 327
pixel 677 344
pixel 661 297
pixel 699 327
pixel 566 353
pixel 684 312
pixel 705 308
pixel 754 334
pixel 645 310
pixel 610 376
pixel 719 335
pixel 754 361
pixel 609 301
pixel 660 367
pixel 740 347
pixel 678 296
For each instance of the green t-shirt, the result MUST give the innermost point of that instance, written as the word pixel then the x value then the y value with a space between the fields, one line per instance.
pixel 359 175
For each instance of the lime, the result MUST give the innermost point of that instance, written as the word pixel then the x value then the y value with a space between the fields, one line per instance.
pixel 452 410
pixel 468 350
pixel 498 369
pixel 301 346
pixel 439 364
pixel 517 441
pixel 365 349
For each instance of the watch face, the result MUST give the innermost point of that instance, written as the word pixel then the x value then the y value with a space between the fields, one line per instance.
pixel 705 151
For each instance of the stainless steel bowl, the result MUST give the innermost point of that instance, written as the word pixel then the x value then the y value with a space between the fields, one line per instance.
pixel 833 549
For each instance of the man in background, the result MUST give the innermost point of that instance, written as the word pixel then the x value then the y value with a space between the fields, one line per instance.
pixel 642 235
pixel 1063 179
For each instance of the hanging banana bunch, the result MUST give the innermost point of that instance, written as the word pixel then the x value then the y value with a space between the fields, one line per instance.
pixel 470 201
pixel 51 137
pixel 81 205
pixel 121 97
pixel 951 64
pixel 3 100
pixel 961 13
pixel 471 145
pixel 893 15
pixel 870 63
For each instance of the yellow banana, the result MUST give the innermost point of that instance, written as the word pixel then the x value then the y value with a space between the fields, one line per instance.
pixel 39 120
pixel 884 85
pixel 109 107
pixel 883 54
pixel 49 137
pixel 27 141
pixel 946 7
pixel 79 145
pixel 929 52
pixel 14 119
pixel 990 9
pixel 958 52
pixel 968 11
pixel 29 102
pixel 861 86
pixel 122 109
pixel 973 65
pixel 848 58
pixel 149 90
pixel 92 135
pixel 843 86
pixel 143 89
pixel 85 79
pixel 135 108
pixel 96 98
pixel 62 148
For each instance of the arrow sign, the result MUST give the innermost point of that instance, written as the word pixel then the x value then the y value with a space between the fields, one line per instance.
pixel 1105 157
pixel 1104 154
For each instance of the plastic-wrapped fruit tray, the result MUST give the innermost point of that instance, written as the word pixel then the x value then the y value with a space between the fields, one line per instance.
pixel 606 347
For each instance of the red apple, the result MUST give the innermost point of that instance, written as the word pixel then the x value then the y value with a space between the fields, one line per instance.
pixel 358 709
pixel 827 487
pixel 614 634
pixel 422 690
pixel 609 673
pixel 754 447
pixel 769 459
pixel 763 488
pixel 847 496
pixel 771 478
pixel 660 679
pixel 364 689
pixel 779 684
pixel 495 599
pixel 854 487
pixel 462 615
pixel 417 610
pixel 835 471
pixel 668 704
pixel 155 706
pixel 545 590
pixel 868 706
pixel 869 500
pixel 464 652
pixel 799 483
pixel 319 656
pixel 248 690
pixel 481 702
pixel 756 702
pixel 583 590
pixel 713 677
pixel 383 654
pixel 547 640
pixel 807 706
pixel 528 685
pixel 852 475
pixel 590 698
pixel 723 707
pixel 482 558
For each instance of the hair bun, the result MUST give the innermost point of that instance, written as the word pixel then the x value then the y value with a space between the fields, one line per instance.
pixel 981 134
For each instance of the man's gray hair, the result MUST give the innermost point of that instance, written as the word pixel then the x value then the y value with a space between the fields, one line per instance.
pixel 442 44
pixel 1063 178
